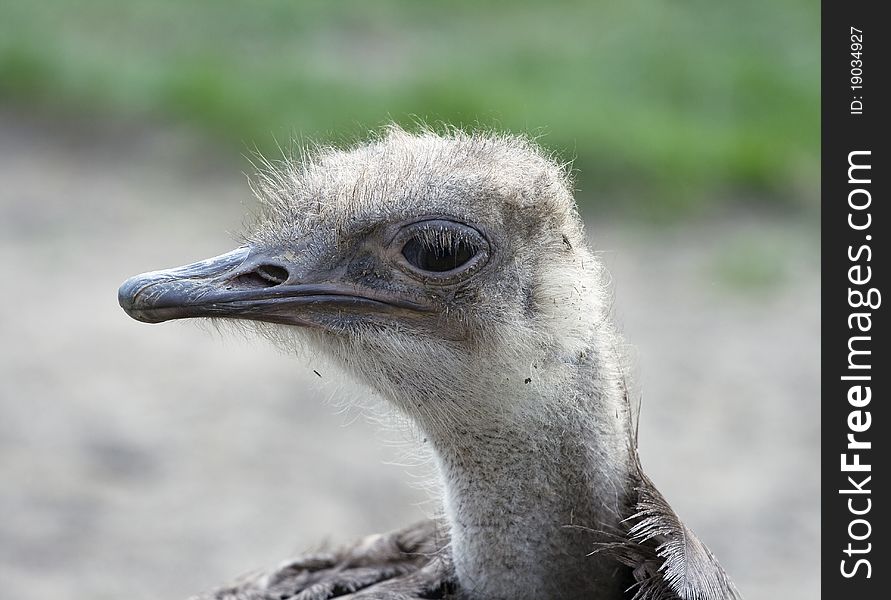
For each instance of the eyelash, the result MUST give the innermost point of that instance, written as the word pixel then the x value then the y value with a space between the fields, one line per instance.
pixel 442 238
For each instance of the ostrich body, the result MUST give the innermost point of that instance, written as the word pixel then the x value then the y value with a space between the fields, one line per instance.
pixel 452 275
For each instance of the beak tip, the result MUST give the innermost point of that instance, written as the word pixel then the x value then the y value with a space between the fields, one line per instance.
pixel 127 293
pixel 128 297
pixel 135 303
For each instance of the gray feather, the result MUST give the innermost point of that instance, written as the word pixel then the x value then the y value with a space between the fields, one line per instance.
pixel 408 564
pixel 669 561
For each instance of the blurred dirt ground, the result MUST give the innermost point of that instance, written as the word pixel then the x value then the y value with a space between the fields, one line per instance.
pixel 153 462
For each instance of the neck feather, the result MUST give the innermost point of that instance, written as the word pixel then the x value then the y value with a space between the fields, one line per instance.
pixel 530 494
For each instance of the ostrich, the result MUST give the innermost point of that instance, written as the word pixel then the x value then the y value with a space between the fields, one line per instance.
pixel 450 272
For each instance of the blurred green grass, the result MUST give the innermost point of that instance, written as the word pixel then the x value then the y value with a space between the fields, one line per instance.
pixel 667 108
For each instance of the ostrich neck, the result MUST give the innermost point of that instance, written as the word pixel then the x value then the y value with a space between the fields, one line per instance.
pixel 529 495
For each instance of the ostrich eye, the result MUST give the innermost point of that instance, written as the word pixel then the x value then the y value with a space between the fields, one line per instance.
pixel 441 248
pixel 436 258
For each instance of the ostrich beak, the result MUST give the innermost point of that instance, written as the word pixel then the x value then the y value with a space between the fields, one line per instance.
pixel 253 285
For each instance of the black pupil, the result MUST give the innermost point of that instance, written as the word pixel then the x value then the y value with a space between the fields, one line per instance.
pixel 436 258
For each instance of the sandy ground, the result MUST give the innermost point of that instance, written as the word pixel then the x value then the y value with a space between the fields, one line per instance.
pixel 155 461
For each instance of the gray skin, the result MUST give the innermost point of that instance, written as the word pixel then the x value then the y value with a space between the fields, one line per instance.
pixel 451 274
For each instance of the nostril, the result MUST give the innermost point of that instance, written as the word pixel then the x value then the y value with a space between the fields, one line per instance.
pixel 272 273
pixel 263 276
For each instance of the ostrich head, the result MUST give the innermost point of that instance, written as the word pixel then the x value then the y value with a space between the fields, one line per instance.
pixel 451 273
pixel 431 266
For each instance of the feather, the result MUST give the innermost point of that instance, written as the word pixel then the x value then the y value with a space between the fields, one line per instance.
pixel 407 564
pixel 668 561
